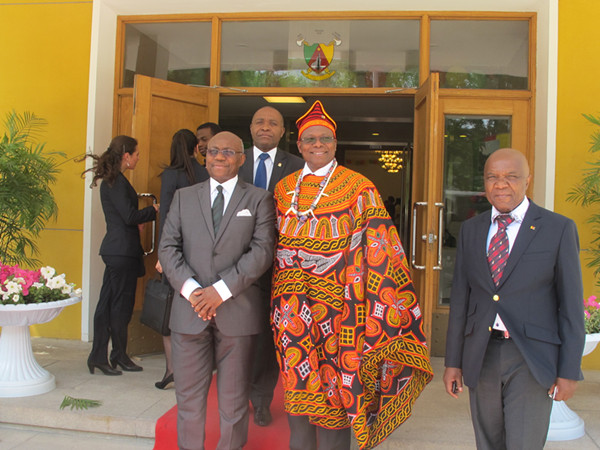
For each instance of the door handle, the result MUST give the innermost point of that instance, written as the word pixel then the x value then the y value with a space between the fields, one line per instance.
pixel 153 197
pixel 439 235
pixel 413 250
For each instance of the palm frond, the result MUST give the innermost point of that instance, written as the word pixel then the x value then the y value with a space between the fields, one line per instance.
pixel 27 172
pixel 587 193
pixel 79 403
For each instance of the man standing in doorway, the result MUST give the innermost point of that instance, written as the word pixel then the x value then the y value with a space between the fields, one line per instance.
pixel 265 165
pixel 516 326
pixel 216 243
pixel 345 316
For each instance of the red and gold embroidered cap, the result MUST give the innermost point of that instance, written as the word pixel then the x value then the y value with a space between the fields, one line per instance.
pixel 316 115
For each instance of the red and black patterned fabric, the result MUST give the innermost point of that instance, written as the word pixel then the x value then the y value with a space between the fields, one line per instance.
pixel 345 316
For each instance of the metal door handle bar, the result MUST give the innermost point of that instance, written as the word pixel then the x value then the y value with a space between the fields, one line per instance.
pixel 413 250
pixel 439 235
pixel 153 197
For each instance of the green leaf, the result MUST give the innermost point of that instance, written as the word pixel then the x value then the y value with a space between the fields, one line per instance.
pixel 27 173
pixel 79 403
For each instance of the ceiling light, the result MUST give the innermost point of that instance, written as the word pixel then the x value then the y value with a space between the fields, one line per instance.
pixel 280 99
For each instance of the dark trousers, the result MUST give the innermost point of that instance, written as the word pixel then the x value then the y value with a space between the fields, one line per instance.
pixel 193 356
pixel 509 408
pixel 265 370
pixel 306 436
pixel 115 308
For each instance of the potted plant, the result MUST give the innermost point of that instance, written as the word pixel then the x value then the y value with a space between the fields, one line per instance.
pixel 26 175
pixel 26 296
pixel 587 193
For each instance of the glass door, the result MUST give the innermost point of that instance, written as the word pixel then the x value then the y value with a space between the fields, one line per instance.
pixel 451 147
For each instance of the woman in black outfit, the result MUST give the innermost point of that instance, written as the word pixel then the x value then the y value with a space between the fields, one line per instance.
pixel 183 170
pixel 121 252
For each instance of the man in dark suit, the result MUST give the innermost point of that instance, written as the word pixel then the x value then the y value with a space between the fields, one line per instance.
pixel 265 165
pixel 516 327
pixel 217 241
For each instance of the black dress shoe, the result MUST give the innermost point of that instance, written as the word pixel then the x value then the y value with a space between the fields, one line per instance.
pixel 127 366
pixel 105 368
pixel 162 384
pixel 262 416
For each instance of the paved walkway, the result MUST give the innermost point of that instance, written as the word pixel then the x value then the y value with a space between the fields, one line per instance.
pixel 131 405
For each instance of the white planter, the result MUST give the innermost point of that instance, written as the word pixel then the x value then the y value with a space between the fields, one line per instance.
pixel 565 424
pixel 20 373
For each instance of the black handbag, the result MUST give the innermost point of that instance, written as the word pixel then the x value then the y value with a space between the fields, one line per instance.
pixel 156 309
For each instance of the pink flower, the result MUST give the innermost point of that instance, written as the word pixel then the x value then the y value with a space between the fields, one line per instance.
pixel 587 314
pixel 591 301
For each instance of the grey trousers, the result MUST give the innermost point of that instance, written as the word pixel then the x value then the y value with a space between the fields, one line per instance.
pixel 192 369
pixel 306 436
pixel 509 408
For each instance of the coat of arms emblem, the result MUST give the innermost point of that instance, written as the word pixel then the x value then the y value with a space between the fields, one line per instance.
pixel 318 57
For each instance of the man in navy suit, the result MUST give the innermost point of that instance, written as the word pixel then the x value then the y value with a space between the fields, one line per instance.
pixel 267 129
pixel 516 326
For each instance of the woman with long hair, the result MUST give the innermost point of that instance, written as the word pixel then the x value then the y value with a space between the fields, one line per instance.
pixel 183 170
pixel 122 253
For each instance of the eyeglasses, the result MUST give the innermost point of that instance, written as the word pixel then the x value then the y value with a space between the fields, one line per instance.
pixel 313 140
pixel 226 152
pixel 510 179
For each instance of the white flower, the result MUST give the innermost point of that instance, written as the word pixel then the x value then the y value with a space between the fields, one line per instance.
pixel 15 298
pixel 37 285
pixel 5 296
pixel 19 280
pixel 56 283
pixel 78 292
pixel 47 272
pixel 66 289
pixel 12 287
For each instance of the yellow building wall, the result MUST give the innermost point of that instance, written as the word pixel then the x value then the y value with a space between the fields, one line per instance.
pixel 44 56
pixel 578 93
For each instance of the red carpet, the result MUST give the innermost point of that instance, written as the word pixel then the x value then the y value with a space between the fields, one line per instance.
pixel 274 437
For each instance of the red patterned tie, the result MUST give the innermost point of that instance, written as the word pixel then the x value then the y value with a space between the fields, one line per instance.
pixel 498 251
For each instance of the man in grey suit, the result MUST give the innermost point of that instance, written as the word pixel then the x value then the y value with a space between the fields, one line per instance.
pixel 516 327
pixel 265 165
pixel 217 241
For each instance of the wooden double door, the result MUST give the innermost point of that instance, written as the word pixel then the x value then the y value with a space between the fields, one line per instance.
pixel 454 132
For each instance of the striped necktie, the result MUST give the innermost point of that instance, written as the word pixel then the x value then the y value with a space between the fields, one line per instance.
pixel 498 250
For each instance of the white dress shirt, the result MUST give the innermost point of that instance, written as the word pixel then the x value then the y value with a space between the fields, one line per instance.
pixel 191 284
pixel 319 172
pixel 518 214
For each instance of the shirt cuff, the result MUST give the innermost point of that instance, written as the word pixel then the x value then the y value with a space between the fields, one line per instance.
pixel 223 290
pixel 188 287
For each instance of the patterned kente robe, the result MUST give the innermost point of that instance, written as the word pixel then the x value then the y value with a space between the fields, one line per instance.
pixel 345 317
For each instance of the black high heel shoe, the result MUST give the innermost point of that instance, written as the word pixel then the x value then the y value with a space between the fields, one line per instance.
pixel 162 384
pixel 127 366
pixel 105 368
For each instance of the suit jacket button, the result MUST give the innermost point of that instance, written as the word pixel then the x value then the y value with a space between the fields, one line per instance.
pixel 496 297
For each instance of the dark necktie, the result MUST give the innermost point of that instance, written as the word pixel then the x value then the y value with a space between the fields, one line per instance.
pixel 261 172
pixel 217 208
pixel 498 251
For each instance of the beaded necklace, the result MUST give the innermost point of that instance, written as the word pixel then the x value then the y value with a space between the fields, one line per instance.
pixel 302 216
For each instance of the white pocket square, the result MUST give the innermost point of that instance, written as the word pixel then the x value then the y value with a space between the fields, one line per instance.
pixel 244 213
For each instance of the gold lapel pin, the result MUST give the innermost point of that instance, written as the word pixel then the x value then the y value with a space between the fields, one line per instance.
pixel 532 227
pixel 279 165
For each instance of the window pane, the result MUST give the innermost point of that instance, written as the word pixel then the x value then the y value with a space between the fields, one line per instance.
pixel 359 53
pixel 468 141
pixel 170 51
pixel 480 54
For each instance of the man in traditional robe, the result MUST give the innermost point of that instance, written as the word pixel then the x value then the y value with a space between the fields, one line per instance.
pixel 345 317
